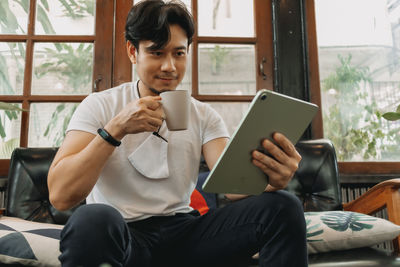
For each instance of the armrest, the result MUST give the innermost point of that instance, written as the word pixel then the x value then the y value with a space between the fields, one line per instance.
pixel 385 194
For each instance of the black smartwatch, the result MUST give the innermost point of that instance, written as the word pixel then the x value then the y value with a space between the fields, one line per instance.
pixel 106 136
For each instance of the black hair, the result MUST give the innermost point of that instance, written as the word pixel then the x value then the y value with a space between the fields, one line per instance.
pixel 150 20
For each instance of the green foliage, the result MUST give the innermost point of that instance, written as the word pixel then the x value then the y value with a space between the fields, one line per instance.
pixel 63 60
pixel 53 131
pixel 6 148
pixel 347 77
pixel 393 116
pixel 352 122
pixel 218 56
pixel 78 8
pixel 75 65
pixel 9 24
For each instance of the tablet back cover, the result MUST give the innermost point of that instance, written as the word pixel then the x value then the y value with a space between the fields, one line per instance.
pixel 269 112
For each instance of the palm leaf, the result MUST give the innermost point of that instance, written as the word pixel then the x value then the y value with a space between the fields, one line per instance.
pixel 45 4
pixel 44 20
pixel 11 114
pixel 54 118
pixel 2 131
pixel 7 18
pixel 24 4
pixel 8 107
pixel 6 148
pixel 310 232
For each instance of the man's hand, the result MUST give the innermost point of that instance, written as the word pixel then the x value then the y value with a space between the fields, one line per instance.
pixel 282 163
pixel 143 115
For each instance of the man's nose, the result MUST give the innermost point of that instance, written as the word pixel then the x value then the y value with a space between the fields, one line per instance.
pixel 168 64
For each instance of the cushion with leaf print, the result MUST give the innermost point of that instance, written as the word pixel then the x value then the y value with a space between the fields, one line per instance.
pixel 340 230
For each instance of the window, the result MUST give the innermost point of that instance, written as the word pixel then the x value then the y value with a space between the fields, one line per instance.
pixel 359 74
pixel 50 53
pixel 231 40
pixel 54 53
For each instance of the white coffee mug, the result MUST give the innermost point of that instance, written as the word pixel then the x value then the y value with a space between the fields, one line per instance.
pixel 176 105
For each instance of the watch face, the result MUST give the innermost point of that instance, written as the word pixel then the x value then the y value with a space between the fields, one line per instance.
pixel 106 136
pixel 104 133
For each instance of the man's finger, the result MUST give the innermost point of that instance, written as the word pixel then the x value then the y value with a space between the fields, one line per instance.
pixel 151 102
pixel 286 145
pixel 267 161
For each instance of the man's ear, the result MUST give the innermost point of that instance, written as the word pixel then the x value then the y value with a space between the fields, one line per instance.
pixel 131 50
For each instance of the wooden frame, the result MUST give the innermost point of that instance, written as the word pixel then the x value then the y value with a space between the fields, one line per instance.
pixel 263 49
pixel 112 67
pixel 262 42
pixel 103 44
pixel 384 195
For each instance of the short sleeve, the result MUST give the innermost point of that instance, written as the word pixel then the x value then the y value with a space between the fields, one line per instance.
pixel 88 116
pixel 214 125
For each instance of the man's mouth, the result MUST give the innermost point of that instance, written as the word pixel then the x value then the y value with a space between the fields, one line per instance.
pixel 167 78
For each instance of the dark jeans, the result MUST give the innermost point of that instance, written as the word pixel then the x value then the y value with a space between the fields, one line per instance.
pixel 271 223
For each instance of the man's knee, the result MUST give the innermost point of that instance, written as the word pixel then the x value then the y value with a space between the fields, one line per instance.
pixel 94 220
pixel 95 215
pixel 284 204
pixel 95 233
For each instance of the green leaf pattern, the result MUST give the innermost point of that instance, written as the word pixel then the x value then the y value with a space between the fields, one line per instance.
pixel 340 221
pixel 336 220
pixel 311 231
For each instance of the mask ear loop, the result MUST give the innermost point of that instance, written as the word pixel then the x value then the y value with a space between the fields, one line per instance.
pixel 158 135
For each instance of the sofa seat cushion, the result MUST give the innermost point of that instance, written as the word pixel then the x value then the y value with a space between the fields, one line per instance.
pixel 358 257
pixel 29 243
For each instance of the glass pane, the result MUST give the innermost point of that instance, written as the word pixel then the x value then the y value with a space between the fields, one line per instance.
pixel 13 16
pixel 231 112
pixel 48 122
pixel 65 17
pixel 360 77
pixel 62 68
pixel 10 129
pixel 12 65
pixel 226 18
pixel 227 69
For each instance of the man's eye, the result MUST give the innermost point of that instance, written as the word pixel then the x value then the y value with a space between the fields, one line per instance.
pixel 181 53
pixel 156 53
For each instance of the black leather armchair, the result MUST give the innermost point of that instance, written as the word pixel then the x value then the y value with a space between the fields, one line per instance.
pixel 316 183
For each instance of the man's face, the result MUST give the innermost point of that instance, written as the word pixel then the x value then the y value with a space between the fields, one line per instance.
pixel 161 69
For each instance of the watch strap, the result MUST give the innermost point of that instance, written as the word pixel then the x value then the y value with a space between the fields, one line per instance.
pixel 106 136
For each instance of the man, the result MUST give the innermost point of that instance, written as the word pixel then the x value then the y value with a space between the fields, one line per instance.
pixel 138 217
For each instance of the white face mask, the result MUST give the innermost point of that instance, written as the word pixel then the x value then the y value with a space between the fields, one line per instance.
pixel 151 157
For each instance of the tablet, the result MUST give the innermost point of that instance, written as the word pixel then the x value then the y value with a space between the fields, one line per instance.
pixel 269 112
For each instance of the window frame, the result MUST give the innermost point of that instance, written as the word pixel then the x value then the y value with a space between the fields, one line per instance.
pixel 263 49
pixel 102 63
pixel 350 168
pixel 112 66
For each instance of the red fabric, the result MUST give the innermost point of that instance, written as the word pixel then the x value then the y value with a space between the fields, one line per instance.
pixel 198 202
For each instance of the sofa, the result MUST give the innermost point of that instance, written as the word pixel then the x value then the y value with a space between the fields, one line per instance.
pixel 337 234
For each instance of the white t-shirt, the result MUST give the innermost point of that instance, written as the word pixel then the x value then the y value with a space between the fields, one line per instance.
pixel 120 184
